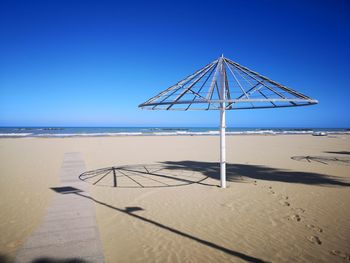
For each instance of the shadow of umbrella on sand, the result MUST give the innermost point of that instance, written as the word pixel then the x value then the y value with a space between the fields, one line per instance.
pixel 225 85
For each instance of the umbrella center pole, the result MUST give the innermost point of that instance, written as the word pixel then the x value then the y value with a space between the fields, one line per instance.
pixel 222 94
pixel 222 146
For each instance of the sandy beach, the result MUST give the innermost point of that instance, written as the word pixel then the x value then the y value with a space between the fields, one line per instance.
pixel 287 199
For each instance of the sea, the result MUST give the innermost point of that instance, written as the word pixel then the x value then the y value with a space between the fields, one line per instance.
pixel 16 132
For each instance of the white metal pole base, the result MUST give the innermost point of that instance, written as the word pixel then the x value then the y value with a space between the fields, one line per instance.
pixel 222 147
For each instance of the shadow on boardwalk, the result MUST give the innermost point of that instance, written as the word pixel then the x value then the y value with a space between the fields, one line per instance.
pixel 7 259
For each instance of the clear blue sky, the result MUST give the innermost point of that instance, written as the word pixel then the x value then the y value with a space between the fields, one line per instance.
pixel 90 63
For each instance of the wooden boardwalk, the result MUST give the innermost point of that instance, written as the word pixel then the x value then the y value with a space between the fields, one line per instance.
pixel 68 230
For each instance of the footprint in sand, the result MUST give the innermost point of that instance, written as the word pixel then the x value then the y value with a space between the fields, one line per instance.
pixel 284 197
pixel 314 240
pixel 315 228
pixel 299 210
pixel 295 217
pixel 270 190
pixel 340 254
pixel 285 203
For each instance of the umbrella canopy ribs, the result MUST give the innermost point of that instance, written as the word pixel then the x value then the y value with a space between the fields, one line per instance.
pixel 226 85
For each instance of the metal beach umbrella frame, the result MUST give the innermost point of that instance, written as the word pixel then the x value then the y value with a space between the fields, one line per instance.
pixel 226 85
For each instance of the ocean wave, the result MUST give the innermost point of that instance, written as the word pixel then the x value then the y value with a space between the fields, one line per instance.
pixel 14 134
pixel 99 134
pixel 180 132
pixel 38 129
pixel 163 133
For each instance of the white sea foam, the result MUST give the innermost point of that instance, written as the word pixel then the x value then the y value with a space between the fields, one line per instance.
pixel 296 132
pixel 182 132
pixel 338 132
pixel 89 134
pixel 169 133
pixel 14 134
pixel 163 133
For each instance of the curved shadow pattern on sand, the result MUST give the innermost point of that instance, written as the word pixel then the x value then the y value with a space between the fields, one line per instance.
pixel 339 152
pixel 131 212
pixel 235 172
pixel 142 176
pixel 327 160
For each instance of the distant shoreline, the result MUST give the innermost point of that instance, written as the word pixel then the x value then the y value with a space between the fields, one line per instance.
pixel 163 135
pixel 47 132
